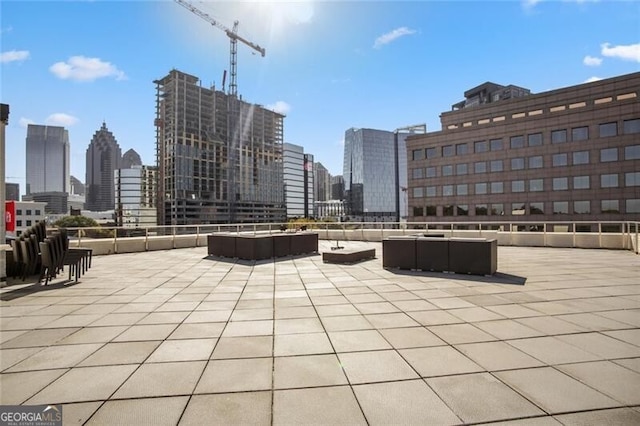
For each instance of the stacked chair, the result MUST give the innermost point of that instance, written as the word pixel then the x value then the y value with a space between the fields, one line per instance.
pixel 35 252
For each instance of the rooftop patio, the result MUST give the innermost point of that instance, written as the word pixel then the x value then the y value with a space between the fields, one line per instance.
pixel 174 337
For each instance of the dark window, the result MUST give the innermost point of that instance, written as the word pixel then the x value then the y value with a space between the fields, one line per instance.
pixel 431 211
pixel 19 211
pixel 497 209
pixel 28 223
pixel 462 148
pixel 418 192
pixel 608 129
pixel 631 126
pixel 517 163
pixel 632 179
pixel 630 153
pixel 496 165
pixel 418 154
pixel 497 188
pixel 431 191
pixel 559 160
pixel 609 181
pixel 580 157
pixel 462 189
pixel 560 184
pixel 481 188
pixel 580 133
pixel 480 146
pixel 480 167
pixel 559 136
pixel 582 207
pixel 536 185
pixel 517 141
pixel 517 186
pixel 18 222
pixel 461 169
pixel 447 151
pixel 417 173
pixel 418 211
pixel 496 144
pixel 535 162
pixel 462 210
pixel 432 152
pixel 447 190
pixel 535 139
pixel 447 170
pixel 608 154
pixel 517 209
pixel 536 208
pixel 610 206
pixel 28 213
pixel 447 210
pixel 632 206
pixel 37 212
pixel 431 172
pixel 481 210
pixel 581 182
pixel 560 207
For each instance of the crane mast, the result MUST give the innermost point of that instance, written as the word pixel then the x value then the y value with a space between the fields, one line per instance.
pixel 233 39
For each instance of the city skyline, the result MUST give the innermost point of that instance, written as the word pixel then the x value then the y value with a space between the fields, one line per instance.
pixel 325 70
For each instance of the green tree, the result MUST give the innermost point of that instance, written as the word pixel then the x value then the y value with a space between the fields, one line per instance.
pixel 75 222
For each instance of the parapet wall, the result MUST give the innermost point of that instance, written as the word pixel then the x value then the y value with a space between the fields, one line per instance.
pixel 615 241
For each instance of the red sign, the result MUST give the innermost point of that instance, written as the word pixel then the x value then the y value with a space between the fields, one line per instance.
pixel 10 216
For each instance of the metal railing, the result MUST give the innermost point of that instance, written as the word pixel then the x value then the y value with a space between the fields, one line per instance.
pixel 621 235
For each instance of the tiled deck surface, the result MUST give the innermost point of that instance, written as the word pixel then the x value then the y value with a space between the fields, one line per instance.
pixel 173 337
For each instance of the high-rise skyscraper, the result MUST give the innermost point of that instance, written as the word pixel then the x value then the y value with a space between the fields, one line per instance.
pixel 103 158
pixel 298 181
pixel 130 158
pixel 375 174
pixel 219 158
pixel 322 181
pixel 136 196
pixel 47 159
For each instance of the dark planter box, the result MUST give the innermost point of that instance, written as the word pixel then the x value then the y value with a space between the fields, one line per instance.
pixel 399 252
pixel 473 256
pixel 221 245
pixel 432 254
pixel 252 247
pixel 281 245
pixel 304 242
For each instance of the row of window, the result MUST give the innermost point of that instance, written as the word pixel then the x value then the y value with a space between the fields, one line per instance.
pixel 532 139
pixel 532 208
pixel 19 223
pixel 520 163
pixel 533 185
pixel 27 213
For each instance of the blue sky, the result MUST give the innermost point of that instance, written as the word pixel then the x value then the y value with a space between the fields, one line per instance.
pixel 329 65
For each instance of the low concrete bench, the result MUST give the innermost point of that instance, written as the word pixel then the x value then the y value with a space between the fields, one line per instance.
pixel 348 256
pixel 261 246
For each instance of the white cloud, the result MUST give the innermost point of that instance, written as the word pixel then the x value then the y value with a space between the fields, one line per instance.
pixel 592 79
pixel 281 107
pixel 81 68
pixel 14 56
pixel 592 61
pixel 61 119
pixel 6 30
pixel 24 122
pixel 530 4
pixel 630 52
pixel 391 36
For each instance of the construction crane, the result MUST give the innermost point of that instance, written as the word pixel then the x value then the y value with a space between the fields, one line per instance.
pixel 233 38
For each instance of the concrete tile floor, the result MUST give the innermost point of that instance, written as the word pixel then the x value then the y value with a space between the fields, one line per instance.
pixel 174 337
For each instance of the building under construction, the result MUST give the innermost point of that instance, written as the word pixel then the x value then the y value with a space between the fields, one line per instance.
pixel 219 158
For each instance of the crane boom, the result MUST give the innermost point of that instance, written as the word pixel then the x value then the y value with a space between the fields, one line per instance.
pixel 233 37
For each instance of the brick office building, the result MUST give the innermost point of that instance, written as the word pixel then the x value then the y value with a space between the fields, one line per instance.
pixel 571 154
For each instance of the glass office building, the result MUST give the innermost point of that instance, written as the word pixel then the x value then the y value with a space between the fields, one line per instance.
pixel 374 173
pixel 47 159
